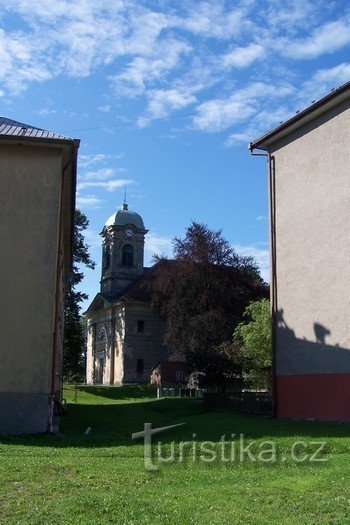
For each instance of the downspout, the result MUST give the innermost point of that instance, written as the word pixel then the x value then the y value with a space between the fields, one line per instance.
pixel 273 283
pixel 73 159
pixel 112 348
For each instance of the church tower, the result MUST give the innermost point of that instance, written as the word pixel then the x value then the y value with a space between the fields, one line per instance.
pixel 122 250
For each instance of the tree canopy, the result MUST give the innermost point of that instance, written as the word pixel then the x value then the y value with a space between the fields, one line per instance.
pixel 73 350
pixel 254 336
pixel 202 293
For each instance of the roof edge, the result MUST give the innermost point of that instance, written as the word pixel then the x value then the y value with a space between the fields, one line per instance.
pixel 298 120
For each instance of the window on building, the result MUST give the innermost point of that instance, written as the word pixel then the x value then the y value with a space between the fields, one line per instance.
pixel 106 256
pixel 140 326
pixel 139 366
pixel 180 376
pixel 127 255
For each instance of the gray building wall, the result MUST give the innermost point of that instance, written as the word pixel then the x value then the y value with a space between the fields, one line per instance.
pixel 312 218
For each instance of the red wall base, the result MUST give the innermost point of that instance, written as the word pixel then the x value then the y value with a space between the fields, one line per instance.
pixel 319 396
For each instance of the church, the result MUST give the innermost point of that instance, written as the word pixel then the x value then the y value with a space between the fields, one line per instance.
pixel 124 333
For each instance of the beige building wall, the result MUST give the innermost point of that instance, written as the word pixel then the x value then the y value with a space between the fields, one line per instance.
pixel 90 349
pixel 147 345
pixel 114 343
pixel 312 219
pixel 105 344
pixel 29 226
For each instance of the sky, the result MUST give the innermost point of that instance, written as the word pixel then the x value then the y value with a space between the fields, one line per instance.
pixel 165 96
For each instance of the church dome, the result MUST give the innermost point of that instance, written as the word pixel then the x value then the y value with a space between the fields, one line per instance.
pixel 125 216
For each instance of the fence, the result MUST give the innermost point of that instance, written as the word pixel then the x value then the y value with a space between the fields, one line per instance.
pixel 180 392
pixel 258 403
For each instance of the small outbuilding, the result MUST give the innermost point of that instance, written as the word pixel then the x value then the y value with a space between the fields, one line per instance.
pixel 169 373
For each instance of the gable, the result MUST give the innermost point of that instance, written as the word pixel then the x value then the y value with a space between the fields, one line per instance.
pixel 98 303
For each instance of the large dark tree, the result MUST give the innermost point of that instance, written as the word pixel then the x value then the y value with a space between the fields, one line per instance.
pixel 202 294
pixel 74 339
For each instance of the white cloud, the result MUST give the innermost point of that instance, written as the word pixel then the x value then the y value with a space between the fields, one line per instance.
pixel 218 114
pixel 101 173
pixel 109 185
pixel 74 39
pixel 143 71
pixel 242 57
pixel 155 245
pixel 20 62
pixel 168 54
pixel 93 239
pixel 86 161
pixel 44 112
pixel 105 109
pixel 102 177
pixel 260 123
pixel 326 39
pixel 262 256
pixel 211 19
pixel 163 102
pixel 88 202
pixel 289 17
pixel 322 81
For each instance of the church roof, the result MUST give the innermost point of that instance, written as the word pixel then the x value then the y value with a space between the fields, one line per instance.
pixel 137 291
pixel 125 216
pixel 13 128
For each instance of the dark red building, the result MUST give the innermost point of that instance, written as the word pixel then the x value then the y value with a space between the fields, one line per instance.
pixel 168 372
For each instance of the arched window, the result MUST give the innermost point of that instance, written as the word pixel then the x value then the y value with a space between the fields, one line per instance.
pixel 127 255
pixel 106 256
pixel 102 333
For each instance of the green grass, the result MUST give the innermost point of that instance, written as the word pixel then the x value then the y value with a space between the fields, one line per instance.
pixel 100 478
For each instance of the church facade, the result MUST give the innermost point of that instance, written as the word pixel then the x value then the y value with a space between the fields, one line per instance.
pixel 124 333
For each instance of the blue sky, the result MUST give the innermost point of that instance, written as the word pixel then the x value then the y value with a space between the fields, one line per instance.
pixel 165 95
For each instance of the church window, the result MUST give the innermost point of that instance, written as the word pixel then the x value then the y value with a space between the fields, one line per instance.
pixel 128 255
pixel 139 366
pixel 102 333
pixel 140 326
pixel 106 256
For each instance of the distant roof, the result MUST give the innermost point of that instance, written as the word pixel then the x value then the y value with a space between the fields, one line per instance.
pixel 13 128
pixel 125 216
pixel 138 291
pixel 175 363
pixel 301 118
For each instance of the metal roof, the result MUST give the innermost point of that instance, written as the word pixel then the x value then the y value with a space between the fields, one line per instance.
pixel 307 114
pixel 12 128
pixel 125 216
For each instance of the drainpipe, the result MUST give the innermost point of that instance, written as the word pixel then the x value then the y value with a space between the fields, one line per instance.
pixel 273 283
pixel 73 160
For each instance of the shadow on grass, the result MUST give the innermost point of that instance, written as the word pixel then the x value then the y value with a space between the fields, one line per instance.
pixel 125 392
pixel 112 425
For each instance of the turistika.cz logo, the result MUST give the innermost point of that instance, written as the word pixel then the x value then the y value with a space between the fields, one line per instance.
pixel 237 448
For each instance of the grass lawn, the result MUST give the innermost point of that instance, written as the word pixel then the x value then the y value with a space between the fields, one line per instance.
pixel 100 478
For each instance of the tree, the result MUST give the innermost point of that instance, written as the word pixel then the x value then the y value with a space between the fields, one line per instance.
pixel 254 335
pixel 202 294
pixel 218 365
pixel 74 338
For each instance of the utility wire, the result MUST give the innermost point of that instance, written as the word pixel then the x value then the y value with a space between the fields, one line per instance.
pixel 120 124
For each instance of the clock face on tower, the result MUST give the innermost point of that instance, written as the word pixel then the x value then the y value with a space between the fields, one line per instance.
pixel 128 233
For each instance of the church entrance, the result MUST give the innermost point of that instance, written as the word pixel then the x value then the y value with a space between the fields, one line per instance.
pixel 99 371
